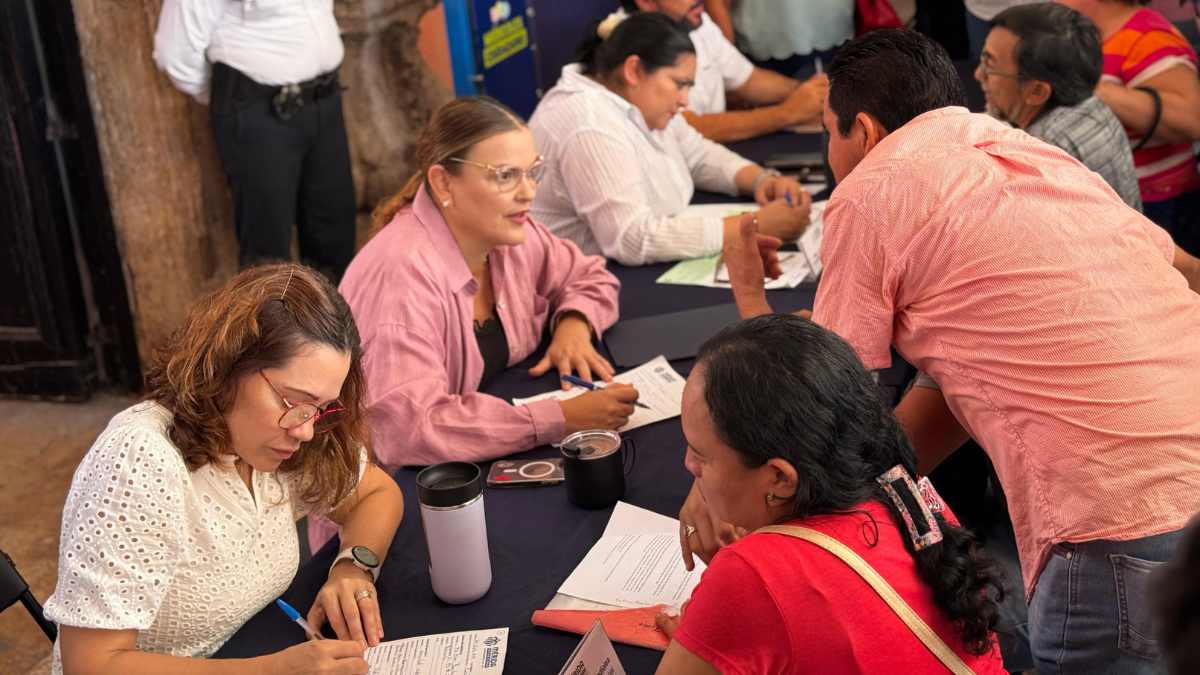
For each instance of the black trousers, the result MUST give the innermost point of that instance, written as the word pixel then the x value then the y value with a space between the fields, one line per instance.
pixel 290 171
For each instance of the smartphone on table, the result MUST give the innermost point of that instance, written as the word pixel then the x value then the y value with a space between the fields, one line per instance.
pixel 508 473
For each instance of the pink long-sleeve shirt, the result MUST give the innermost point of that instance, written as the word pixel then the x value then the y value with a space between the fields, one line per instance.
pixel 413 298
pixel 1047 311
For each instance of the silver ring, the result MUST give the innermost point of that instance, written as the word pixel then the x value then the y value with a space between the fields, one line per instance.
pixel 687 531
pixel 365 594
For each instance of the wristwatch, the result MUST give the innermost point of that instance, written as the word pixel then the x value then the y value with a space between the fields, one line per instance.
pixel 363 558
pixel 766 173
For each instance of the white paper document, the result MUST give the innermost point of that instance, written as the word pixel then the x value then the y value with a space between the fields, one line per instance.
pixel 659 387
pixel 711 273
pixel 479 652
pixel 637 563
pixel 810 242
pixel 594 655
pixel 792 264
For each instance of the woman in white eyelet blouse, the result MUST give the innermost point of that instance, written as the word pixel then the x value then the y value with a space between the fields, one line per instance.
pixel 180 522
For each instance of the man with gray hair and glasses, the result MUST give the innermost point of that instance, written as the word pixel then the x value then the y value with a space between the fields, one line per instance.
pixel 1039 69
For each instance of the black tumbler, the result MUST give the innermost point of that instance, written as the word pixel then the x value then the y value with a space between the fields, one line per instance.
pixel 594 467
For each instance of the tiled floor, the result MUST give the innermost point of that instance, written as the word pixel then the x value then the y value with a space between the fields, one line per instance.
pixel 40 446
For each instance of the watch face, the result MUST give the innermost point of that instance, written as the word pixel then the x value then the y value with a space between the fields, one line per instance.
pixel 365 556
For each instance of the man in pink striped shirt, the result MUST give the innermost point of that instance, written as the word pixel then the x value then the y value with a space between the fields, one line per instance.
pixel 1051 317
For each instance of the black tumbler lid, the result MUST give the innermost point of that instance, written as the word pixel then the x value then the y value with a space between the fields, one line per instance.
pixel 449 484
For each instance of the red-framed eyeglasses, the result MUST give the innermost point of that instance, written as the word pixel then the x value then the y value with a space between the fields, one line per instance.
pixel 302 412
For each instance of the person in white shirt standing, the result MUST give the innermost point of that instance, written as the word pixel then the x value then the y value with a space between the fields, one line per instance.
pixel 623 164
pixel 720 68
pixel 268 70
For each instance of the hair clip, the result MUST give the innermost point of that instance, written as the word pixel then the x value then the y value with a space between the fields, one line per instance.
pixel 289 282
pixel 897 474
pixel 609 24
pixel 930 496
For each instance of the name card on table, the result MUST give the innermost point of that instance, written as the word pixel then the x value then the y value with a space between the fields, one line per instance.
pixel 594 655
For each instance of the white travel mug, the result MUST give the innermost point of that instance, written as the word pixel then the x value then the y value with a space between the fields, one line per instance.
pixel 451 499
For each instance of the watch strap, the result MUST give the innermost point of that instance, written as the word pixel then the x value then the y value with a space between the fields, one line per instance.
pixel 347 554
pixel 766 173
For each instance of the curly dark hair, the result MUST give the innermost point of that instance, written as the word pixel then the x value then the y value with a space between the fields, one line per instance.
pixel 780 386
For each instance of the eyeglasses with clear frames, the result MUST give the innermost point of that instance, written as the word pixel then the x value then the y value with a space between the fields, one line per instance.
pixel 508 177
pixel 301 412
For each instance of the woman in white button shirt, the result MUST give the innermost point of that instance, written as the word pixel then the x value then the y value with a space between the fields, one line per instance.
pixel 623 164
pixel 179 525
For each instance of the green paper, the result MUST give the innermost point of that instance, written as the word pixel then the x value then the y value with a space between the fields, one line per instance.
pixel 692 272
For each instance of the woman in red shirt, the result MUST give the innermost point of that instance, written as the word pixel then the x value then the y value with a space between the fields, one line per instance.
pixel 784 426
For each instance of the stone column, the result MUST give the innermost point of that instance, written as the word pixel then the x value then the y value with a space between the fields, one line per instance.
pixel 170 205
pixel 391 94
pixel 170 202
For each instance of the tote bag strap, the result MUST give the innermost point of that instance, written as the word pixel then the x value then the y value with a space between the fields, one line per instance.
pixel 918 626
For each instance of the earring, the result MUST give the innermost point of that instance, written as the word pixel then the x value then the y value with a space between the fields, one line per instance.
pixel 770 497
pixel 445 202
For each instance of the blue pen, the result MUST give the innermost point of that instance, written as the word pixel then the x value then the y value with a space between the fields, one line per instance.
pixel 588 385
pixel 295 616
pixel 788 197
pixel 817 62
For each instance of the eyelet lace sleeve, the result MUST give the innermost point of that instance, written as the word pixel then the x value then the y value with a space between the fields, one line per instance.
pixel 122 532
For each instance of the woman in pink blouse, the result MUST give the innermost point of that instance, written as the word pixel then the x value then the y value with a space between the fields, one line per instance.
pixel 458 284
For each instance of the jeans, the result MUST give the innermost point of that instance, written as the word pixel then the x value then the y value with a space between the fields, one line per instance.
pixel 1090 611
pixel 1013 630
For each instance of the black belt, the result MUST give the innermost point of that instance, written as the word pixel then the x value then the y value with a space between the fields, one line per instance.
pixel 232 89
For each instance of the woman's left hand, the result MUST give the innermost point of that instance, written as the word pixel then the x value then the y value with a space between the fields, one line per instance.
pixel 572 350
pixel 776 187
pixel 351 619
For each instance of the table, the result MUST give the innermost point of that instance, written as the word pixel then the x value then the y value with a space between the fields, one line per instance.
pixel 537 537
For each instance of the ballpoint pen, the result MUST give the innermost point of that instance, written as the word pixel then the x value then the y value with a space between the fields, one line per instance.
pixel 788 197
pixel 817 62
pixel 588 385
pixel 295 616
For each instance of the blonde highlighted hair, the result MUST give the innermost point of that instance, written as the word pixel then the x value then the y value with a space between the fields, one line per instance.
pixel 455 128
pixel 261 319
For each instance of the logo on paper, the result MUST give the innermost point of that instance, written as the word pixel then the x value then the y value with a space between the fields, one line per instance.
pixel 492 641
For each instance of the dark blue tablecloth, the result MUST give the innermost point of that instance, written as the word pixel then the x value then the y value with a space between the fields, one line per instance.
pixel 536 536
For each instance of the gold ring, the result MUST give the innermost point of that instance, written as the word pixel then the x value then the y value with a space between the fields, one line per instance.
pixel 687 531
pixel 365 594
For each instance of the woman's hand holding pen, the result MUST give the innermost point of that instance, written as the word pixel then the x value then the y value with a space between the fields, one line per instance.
pixel 318 657
pixel 782 220
pixel 781 188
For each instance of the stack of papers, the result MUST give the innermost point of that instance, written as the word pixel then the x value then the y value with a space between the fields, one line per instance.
pixel 659 387
pixel 798 267
pixel 479 652
pixel 637 563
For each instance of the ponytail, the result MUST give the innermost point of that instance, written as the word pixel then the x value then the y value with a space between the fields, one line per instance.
pixel 387 208
pixel 454 129
pixel 656 40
